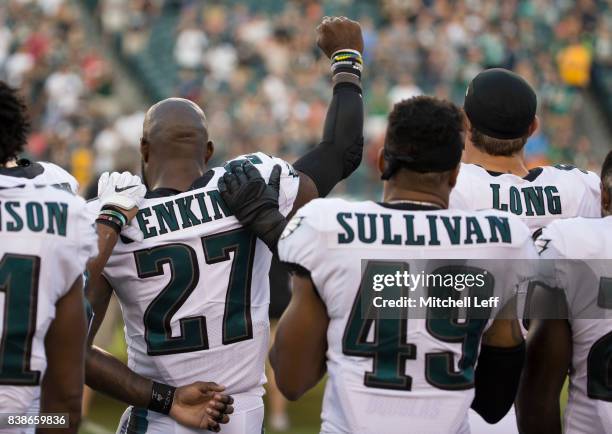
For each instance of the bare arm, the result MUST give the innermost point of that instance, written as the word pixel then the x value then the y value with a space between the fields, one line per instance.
pixel 549 352
pixel 104 372
pixel 107 239
pixel 107 374
pixel 124 204
pixel 505 332
pixel 62 385
pixel 298 354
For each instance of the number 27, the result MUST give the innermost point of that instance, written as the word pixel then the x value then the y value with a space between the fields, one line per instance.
pixel 185 275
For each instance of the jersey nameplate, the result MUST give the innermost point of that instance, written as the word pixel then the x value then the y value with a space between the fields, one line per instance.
pixel 50 217
pixel 529 201
pixel 192 210
pixel 377 228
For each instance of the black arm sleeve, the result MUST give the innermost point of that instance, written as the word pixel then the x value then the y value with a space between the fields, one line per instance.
pixel 339 154
pixel 496 380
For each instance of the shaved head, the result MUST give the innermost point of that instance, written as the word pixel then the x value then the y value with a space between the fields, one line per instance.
pixel 176 127
pixel 175 146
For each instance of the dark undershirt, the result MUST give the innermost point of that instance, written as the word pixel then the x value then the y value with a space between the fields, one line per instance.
pixel 531 176
pixel 24 169
pixel 408 206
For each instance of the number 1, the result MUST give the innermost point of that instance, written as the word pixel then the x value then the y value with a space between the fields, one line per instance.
pixel 19 276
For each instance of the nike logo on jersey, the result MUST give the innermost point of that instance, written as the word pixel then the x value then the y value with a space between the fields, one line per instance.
pixel 119 190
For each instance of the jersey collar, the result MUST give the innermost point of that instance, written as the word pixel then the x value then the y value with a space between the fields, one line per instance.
pixel 531 176
pixel 408 206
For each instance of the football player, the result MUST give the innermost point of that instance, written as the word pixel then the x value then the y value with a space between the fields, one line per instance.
pixel 46 239
pixel 580 342
pixel 13 171
pixel 399 374
pixel 500 108
pixel 194 294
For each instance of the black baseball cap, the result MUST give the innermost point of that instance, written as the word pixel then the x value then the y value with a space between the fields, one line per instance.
pixel 500 104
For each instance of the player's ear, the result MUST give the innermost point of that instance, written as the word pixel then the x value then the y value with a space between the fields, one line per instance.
pixel 467 125
pixel 210 150
pixel 534 125
pixel 144 149
pixel 380 160
pixel 467 132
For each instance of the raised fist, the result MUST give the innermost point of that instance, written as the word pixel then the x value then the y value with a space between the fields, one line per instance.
pixel 335 33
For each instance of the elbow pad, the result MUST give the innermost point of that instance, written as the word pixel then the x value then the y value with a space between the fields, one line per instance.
pixel 340 152
pixel 496 380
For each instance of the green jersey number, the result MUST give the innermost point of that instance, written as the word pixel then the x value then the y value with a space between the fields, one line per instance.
pixel 599 361
pixel 19 275
pixel 389 347
pixel 184 277
pixel 444 325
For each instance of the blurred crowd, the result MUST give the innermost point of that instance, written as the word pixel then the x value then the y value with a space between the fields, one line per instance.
pixel 67 83
pixel 255 69
pixel 264 85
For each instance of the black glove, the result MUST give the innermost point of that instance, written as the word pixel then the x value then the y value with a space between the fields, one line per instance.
pixel 253 202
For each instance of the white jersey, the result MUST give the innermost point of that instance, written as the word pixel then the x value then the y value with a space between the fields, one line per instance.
pixel 415 382
pixel 588 288
pixel 195 293
pixel 544 195
pixel 46 238
pixel 38 173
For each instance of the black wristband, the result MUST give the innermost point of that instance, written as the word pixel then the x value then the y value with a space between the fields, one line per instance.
pixel 110 222
pixel 162 396
pixel 117 210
